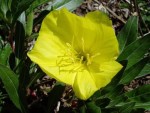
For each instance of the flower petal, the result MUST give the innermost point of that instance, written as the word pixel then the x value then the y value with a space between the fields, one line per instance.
pixel 62 76
pixel 48 45
pixel 100 37
pixel 95 29
pixel 96 34
pixel 68 25
pixel 47 49
pixel 102 75
pixel 84 86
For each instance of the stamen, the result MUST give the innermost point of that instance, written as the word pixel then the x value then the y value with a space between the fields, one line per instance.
pixel 81 60
pixel 70 48
pixel 88 59
pixel 97 54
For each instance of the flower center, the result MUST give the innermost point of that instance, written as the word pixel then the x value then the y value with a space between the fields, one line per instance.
pixel 84 58
pixel 78 57
pixel 77 60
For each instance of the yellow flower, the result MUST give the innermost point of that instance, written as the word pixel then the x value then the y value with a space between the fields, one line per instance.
pixel 79 51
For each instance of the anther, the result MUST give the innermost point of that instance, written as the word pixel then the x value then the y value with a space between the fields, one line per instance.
pixel 88 59
pixel 97 54
pixel 81 59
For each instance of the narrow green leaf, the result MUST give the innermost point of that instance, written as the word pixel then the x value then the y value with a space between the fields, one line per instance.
pixel 69 4
pixel 116 91
pixel 9 4
pixel 33 36
pixel 10 81
pixel 4 54
pixel 133 72
pixel 1 42
pixel 36 4
pixel 23 72
pixel 145 71
pixel 144 105
pixel 82 109
pixel 20 7
pixel 92 108
pixel 22 19
pixel 40 17
pixel 4 7
pixel 126 108
pixel 135 51
pixel 29 25
pixel 117 100
pixel 14 5
pixel 102 103
pixel 58 3
pixel 19 40
pixel 1 16
pixel 139 95
pixel 129 33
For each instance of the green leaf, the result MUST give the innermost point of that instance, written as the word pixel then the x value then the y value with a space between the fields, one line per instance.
pixel 19 40
pixel 22 19
pixel 133 72
pixel 102 103
pixel 145 70
pixel 20 7
pixel 30 14
pixel 129 33
pixel 23 72
pixel 9 4
pixel 116 91
pixel 33 36
pixel 39 19
pixel 10 81
pixel 135 51
pixel 4 54
pixel 1 43
pixel 1 16
pixel 140 94
pixel 126 108
pixel 82 109
pixel 69 4
pixel 144 105
pixel 37 3
pixel 54 97
pixel 92 108
pixel 117 100
pixel 29 25
pixel 4 7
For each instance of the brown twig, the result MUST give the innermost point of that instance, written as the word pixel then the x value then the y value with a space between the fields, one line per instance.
pixel 114 14
pixel 139 14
